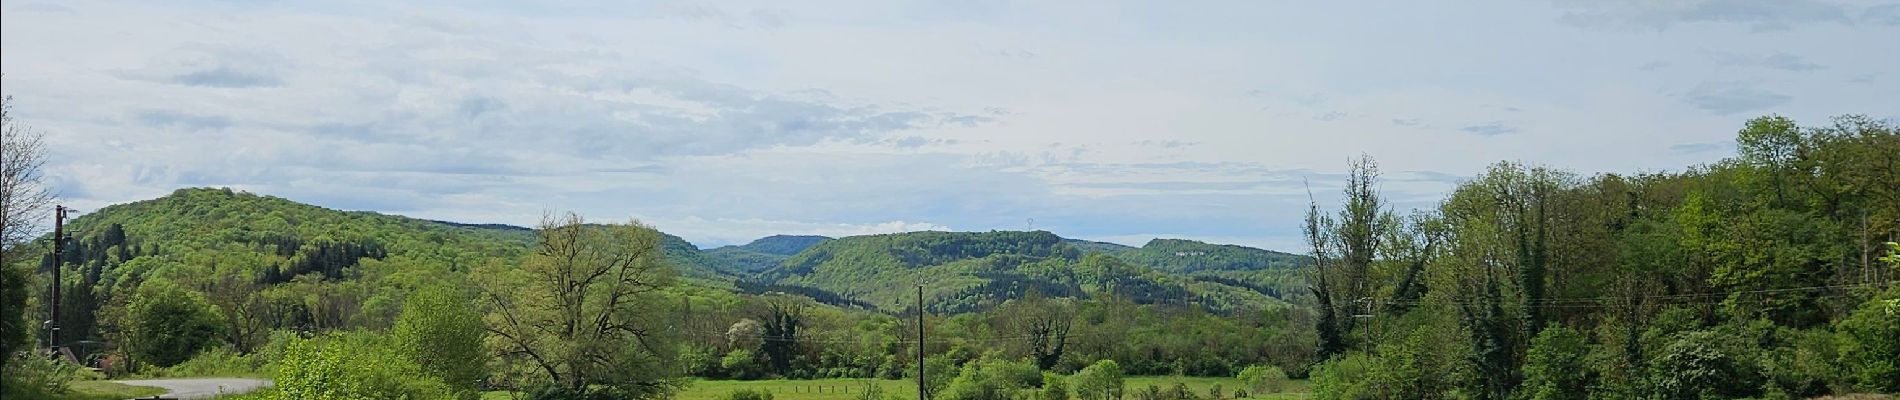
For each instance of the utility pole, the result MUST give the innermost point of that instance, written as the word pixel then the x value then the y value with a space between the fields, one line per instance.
pixel 59 249
pixel 1367 323
pixel 921 393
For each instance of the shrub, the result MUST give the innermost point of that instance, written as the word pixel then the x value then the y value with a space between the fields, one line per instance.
pixel 353 366
pixel 1554 367
pixel 1054 387
pixel 976 383
pixel 169 323
pixel 1099 381
pixel 1869 352
pixel 1215 392
pixel 1262 379
pixel 1343 377
pixel 749 394
pixel 1704 364
pixel 27 376
pixel 1240 393
pixel 443 333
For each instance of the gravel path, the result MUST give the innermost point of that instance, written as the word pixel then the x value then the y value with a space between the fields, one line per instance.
pixel 201 388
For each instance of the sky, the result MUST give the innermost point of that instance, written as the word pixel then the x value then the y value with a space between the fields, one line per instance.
pixel 727 121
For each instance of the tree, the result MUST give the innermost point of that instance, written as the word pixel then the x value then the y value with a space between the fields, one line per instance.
pixel 579 310
pixel 170 323
pixel 1099 381
pixel 1045 322
pixel 1554 368
pixel 783 316
pixel 357 365
pixel 23 203
pixel 442 332
pixel 1261 379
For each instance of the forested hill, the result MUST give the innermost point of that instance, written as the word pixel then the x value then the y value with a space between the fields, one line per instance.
pixel 965 271
pixel 278 239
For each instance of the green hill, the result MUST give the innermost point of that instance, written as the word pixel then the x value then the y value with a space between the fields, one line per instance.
pixel 964 271
pixel 278 239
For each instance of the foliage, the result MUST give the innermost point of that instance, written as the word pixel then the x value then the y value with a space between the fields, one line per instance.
pixel 1869 344
pixel 1344 377
pixel 357 365
pixel 1054 387
pixel 578 311
pixel 1263 379
pixel 749 394
pixel 1704 364
pixel 168 323
pixel 1554 368
pixel 441 331
pixel 1099 381
pixel 27 376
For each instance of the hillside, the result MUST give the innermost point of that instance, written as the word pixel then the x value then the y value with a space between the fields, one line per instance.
pixel 279 239
pixel 965 271
pixel 762 254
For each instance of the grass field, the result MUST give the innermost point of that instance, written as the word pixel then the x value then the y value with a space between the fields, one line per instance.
pixel 834 389
pixel 103 390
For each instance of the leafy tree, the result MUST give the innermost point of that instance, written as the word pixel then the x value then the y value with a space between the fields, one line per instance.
pixel 576 310
pixel 1045 322
pixel 1099 381
pixel 1704 364
pixel 441 331
pixel 1263 379
pixel 1869 342
pixel 1054 387
pixel 1555 367
pixel 354 366
pixel 169 323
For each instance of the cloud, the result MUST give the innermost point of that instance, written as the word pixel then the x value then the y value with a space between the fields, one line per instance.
pixel 1885 14
pixel 225 77
pixel 1724 98
pixel 1406 121
pixel 181 120
pixel 1778 60
pixel 1652 66
pixel 1758 15
pixel 1490 129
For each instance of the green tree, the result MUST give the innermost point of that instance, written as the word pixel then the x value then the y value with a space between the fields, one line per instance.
pixel 1555 367
pixel 23 204
pixel 356 365
pixel 441 331
pixel 582 310
pixel 1263 379
pixel 1869 343
pixel 1099 381
pixel 169 323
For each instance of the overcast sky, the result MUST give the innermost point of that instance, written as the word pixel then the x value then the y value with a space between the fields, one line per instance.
pixel 725 121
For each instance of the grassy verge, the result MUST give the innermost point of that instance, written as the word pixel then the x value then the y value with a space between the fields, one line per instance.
pixel 104 390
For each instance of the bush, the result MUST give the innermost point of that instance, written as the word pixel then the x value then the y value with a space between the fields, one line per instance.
pixel 1054 387
pixel 976 383
pixel 1343 377
pixel 27 376
pixel 1099 381
pixel 1869 352
pixel 353 366
pixel 749 394
pixel 1262 379
pixel 443 333
pixel 938 371
pixel 1554 368
pixel 220 361
pixel 1704 364
pixel 169 323
pixel 740 364
pixel 1240 393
